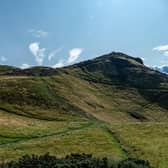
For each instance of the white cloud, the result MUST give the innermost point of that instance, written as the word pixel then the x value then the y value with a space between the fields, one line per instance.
pixel 161 48
pixel 59 64
pixel 39 53
pixel 53 53
pixel 74 54
pixel 3 59
pixel 25 66
pixel 38 33
pixel 166 53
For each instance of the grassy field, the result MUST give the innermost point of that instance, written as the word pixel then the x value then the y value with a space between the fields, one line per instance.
pixel 21 135
pixel 144 140
pixel 81 140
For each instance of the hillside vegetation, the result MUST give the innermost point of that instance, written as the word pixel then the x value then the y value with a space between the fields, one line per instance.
pixel 101 106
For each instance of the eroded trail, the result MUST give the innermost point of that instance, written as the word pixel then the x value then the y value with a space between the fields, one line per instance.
pixel 26 139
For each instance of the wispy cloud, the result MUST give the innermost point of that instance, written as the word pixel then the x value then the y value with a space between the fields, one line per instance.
pixel 38 33
pixel 161 48
pixel 3 59
pixel 25 66
pixel 53 53
pixel 74 54
pixel 39 53
pixel 59 64
pixel 166 53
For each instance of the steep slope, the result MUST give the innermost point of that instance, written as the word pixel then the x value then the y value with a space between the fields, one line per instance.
pixel 122 70
pixel 118 68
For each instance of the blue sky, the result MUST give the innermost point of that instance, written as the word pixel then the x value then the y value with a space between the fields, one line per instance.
pixel 61 32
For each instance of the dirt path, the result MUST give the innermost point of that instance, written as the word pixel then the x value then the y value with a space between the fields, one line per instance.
pixel 16 141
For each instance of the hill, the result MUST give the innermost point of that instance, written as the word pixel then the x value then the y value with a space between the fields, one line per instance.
pixel 82 108
pixel 101 84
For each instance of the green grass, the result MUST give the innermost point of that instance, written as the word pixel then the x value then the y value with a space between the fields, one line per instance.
pixel 83 139
pixel 148 141
pixel 16 126
pixel 23 135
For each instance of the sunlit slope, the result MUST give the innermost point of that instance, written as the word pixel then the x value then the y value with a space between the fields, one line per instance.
pixel 56 97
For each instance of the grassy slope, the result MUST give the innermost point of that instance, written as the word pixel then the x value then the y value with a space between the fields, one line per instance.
pixel 27 128
pixel 63 113
pixel 106 102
